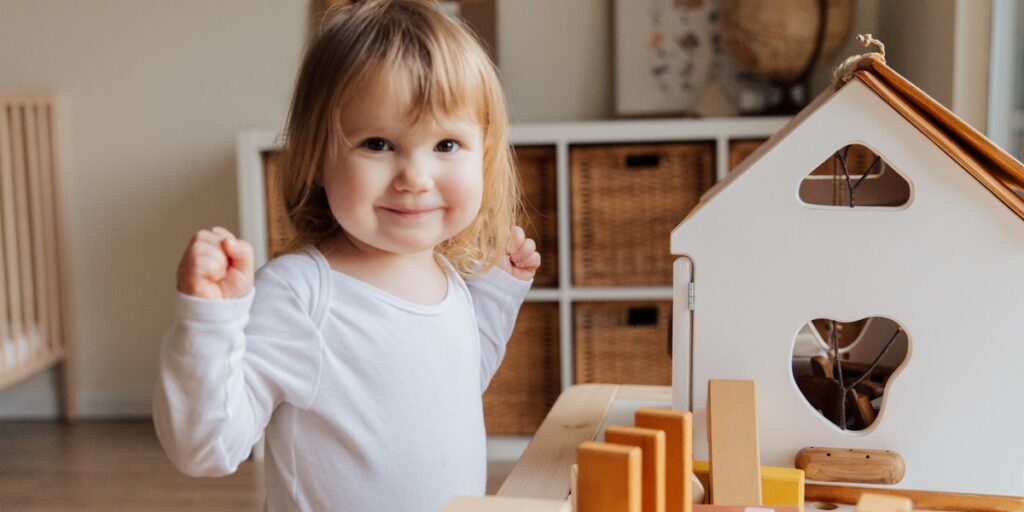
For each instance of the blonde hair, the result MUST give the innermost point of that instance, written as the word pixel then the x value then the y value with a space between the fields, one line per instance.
pixel 447 71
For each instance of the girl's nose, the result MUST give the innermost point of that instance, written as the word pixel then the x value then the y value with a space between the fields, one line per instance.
pixel 413 177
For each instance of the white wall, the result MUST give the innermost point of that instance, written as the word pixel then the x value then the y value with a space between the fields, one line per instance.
pixel 151 96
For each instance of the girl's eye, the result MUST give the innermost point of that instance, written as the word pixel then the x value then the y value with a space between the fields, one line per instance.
pixel 447 146
pixel 376 144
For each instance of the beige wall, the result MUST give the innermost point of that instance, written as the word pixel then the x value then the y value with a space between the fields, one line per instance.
pixel 151 96
pixel 555 58
pixel 918 36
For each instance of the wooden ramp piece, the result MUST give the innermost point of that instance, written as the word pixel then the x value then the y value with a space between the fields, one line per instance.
pixel 652 462
pixel 732 443
pixel 678 428
pixel 869 502
pixel 609 477
pixel 503 504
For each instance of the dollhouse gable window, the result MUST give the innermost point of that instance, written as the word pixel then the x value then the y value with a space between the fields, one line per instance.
pixel 855 176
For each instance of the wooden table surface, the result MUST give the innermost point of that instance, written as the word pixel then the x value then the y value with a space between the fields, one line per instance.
pixel 580 414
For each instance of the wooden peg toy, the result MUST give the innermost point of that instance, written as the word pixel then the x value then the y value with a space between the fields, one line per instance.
pixel 851 465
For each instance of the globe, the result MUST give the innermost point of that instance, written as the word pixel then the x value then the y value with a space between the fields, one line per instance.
pixel 776 39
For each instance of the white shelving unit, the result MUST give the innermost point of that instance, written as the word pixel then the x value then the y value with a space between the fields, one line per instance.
pixel 561 136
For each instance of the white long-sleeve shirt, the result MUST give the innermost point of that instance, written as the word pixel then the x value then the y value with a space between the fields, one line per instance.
pixel 369 402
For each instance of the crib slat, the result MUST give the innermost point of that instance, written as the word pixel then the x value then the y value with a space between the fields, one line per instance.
pixel 9 235
pixel 28 309
pixel 62 330
pixel 40 346
pixel 46 170
pixel 6 336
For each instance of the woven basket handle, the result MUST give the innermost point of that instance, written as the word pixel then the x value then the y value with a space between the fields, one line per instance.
pixel 643 160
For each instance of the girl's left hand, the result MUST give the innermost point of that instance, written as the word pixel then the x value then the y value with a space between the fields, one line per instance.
pixel 521 259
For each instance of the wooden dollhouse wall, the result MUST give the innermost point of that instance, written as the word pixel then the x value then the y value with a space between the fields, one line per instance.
pixel 33 327
pixel 945 266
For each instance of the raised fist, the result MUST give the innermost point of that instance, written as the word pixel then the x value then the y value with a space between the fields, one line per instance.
pixel 216 265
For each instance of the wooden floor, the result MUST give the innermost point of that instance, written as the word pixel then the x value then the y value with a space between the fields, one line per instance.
pixel 109 466
pixel 120 466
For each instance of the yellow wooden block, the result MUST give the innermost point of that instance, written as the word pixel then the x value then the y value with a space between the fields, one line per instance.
pixel 678 428
pixel 869 502
pixel 609 477
pixel 779 486
pixel 652 462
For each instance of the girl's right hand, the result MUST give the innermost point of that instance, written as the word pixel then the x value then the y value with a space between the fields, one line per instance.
pixel 216 265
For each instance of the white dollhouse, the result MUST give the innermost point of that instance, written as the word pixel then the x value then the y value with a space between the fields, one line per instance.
pixel 759 260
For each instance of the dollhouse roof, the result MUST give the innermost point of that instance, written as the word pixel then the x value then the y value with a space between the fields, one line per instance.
pixel 1000 173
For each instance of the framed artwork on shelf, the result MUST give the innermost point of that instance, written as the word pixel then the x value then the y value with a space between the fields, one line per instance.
pixel 663 52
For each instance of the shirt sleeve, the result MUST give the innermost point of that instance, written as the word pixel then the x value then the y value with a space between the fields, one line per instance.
pixel 497 296
pixel 225 365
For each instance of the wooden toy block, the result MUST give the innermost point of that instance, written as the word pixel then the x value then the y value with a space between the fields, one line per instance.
pixel 779 486
pixel 609 477
pixel 923 500
pixel 742 508
pixel 851 466
pixel 678 428
pixel 503 504
pixel 782 486
pixel 652 471
pixel 574 477
pixel 870 502
pixel 735 466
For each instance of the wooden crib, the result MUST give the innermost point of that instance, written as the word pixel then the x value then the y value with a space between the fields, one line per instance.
pixel 33 303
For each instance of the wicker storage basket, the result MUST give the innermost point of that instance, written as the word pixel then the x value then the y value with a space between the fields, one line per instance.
pixel 622 342
pixel 279 229
pixel 626 199
pixel 537 174
pixel 529 379
pixel 740 149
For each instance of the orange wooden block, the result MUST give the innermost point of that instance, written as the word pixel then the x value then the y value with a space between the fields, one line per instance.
pixel 732 443
pixel 744 508
pixel 609 477
pixel 652 462
pixel 678 428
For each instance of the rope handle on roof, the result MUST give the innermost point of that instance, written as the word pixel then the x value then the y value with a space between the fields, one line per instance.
pixel 844 71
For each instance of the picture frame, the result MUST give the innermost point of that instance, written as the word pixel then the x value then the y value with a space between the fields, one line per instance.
pixel 664 52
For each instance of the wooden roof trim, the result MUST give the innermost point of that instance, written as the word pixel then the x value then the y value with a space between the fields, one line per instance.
pixel 933 129
pixel 958 128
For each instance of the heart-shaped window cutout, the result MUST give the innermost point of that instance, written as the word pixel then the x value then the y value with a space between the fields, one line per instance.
pixel 844 369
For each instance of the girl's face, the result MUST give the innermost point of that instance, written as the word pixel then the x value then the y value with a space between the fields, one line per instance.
pixel 400 187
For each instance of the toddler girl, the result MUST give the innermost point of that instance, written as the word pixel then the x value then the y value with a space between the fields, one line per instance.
pixel 363 352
